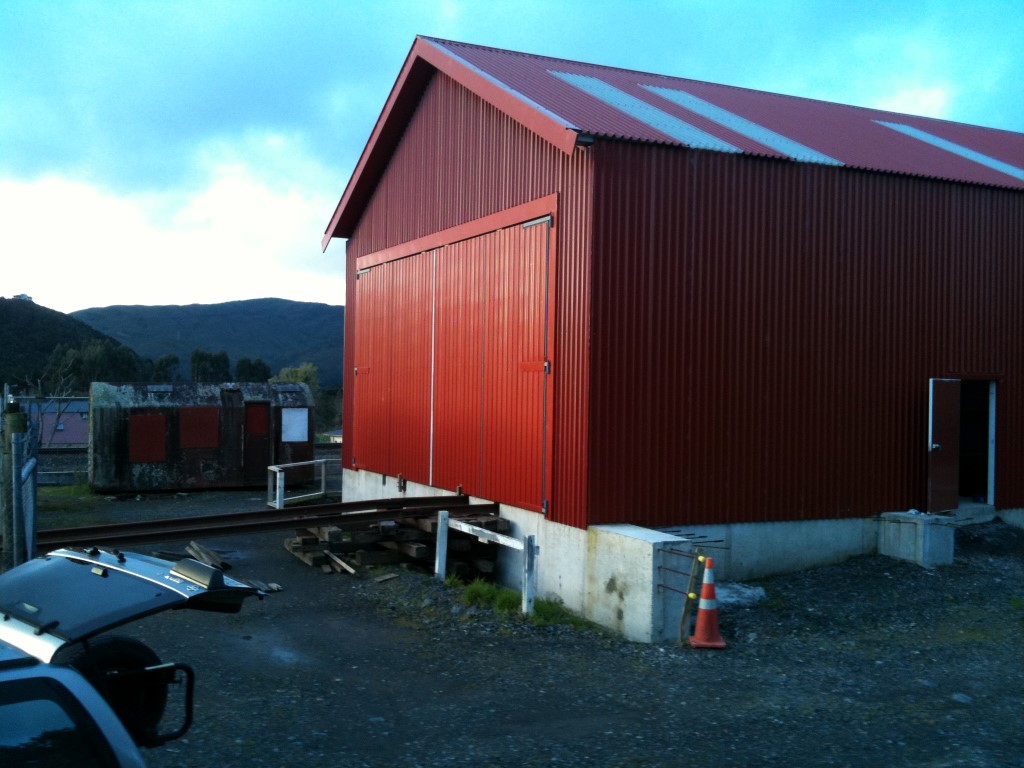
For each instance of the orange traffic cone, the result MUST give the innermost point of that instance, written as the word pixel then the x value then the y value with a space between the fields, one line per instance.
pixel 705 633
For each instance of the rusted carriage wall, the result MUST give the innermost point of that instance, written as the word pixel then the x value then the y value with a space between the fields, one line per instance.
pixel 764 332
pixel 460 160
pixel 191 436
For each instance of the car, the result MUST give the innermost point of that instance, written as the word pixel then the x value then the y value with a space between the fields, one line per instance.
pixel 72 694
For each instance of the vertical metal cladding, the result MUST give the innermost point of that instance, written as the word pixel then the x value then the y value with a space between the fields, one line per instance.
pixel 461 159
pixel 763 334
pixel 458 375
pixel 735 338
pixel 391 429
pixel 490 366
pixel 514 367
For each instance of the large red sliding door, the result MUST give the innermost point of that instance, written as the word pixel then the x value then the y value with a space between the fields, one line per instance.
pixel 453 366
pixel 391 433
pixel 515 364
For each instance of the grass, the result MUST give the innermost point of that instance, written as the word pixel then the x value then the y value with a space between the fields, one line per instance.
pixel 508 602
pixel 60 506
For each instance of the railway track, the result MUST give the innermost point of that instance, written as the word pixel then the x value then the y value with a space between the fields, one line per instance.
pixel 350 515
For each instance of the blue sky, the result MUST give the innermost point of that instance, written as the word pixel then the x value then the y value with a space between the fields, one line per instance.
pixel 193 152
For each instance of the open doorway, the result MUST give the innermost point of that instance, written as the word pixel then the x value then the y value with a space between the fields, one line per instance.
pixel 977 442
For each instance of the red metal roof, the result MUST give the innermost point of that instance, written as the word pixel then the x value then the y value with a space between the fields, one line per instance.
pixel 566 101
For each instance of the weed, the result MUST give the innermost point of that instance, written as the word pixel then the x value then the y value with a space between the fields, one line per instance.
pixel 508 601
pixel 480 593
pixel 548 613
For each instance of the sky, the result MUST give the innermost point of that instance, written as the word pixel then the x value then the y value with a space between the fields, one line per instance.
pixel 193 152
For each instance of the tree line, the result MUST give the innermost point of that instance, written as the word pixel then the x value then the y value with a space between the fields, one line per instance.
pixel 70 369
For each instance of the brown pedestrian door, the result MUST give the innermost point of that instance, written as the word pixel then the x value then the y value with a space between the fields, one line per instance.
pixel 256 441
pixel 943 444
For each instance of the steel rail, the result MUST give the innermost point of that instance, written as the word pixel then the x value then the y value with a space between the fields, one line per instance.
pixel 352 514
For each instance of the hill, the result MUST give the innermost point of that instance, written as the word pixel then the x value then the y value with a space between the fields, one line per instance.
pixel 282 333
pixel 30 332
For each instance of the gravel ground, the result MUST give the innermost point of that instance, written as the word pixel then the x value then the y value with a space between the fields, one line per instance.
pixel 872 661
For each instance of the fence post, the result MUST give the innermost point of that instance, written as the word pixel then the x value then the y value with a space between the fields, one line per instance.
pixel 441 554
pixel 529 573
pixel 29 479
pixel 14 422
pixel 18 445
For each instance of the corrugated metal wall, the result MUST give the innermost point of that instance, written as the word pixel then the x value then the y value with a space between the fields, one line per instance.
pixel 460 160
pixel 451 385
pixel 391 429
pixel 764 332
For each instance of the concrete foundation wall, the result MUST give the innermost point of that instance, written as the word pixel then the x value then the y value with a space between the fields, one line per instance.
pixel 1013 517
pixel 608 574
pixel 751 550
pixel 632 579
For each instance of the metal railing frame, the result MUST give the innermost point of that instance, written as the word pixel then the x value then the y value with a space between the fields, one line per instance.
pixel 527 545
pixel 276 475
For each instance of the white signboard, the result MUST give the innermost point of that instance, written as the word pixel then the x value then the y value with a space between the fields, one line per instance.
pixel 295 425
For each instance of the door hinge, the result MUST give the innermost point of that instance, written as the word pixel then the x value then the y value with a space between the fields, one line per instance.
pixel 545 506
pixel 547 367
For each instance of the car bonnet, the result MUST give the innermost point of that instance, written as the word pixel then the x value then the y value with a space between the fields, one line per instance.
pixel 73 594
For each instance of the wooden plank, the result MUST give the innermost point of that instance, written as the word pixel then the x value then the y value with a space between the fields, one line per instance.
pixel 378 557
pixel 330 533
pixel 413 549
pixel 207 555
pixel 484 535
pixel 365 537
pixel 426 524
pixel 408 533
pixel 316 559
pixel 340 564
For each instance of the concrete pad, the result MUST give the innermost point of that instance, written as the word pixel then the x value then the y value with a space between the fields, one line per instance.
pixel 919 538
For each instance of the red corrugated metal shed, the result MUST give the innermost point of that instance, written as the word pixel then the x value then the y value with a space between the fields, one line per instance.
pixel 753 291
pixel 527 88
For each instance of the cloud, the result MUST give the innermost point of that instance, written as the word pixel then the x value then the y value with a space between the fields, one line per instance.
pixel 928 101
pixel 251 228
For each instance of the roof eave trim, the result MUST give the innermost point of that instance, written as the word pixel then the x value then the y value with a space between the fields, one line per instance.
pixel 534 117
pixel 552 127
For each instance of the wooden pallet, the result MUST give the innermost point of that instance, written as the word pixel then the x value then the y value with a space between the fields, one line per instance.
pixel 337 549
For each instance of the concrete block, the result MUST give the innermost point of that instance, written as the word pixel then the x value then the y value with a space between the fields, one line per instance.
pixel 1012 517
pixel 623 581
pixel 919 538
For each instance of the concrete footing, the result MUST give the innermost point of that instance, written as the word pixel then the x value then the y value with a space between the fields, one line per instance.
pixel 1012 517
pixel 633 579
pixel 923 539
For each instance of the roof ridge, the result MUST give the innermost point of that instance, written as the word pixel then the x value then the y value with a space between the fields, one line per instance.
pixel 677 78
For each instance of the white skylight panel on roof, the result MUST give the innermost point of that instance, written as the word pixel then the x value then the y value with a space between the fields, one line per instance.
pixel 741 125
pixel 956 149
pixel 646 113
